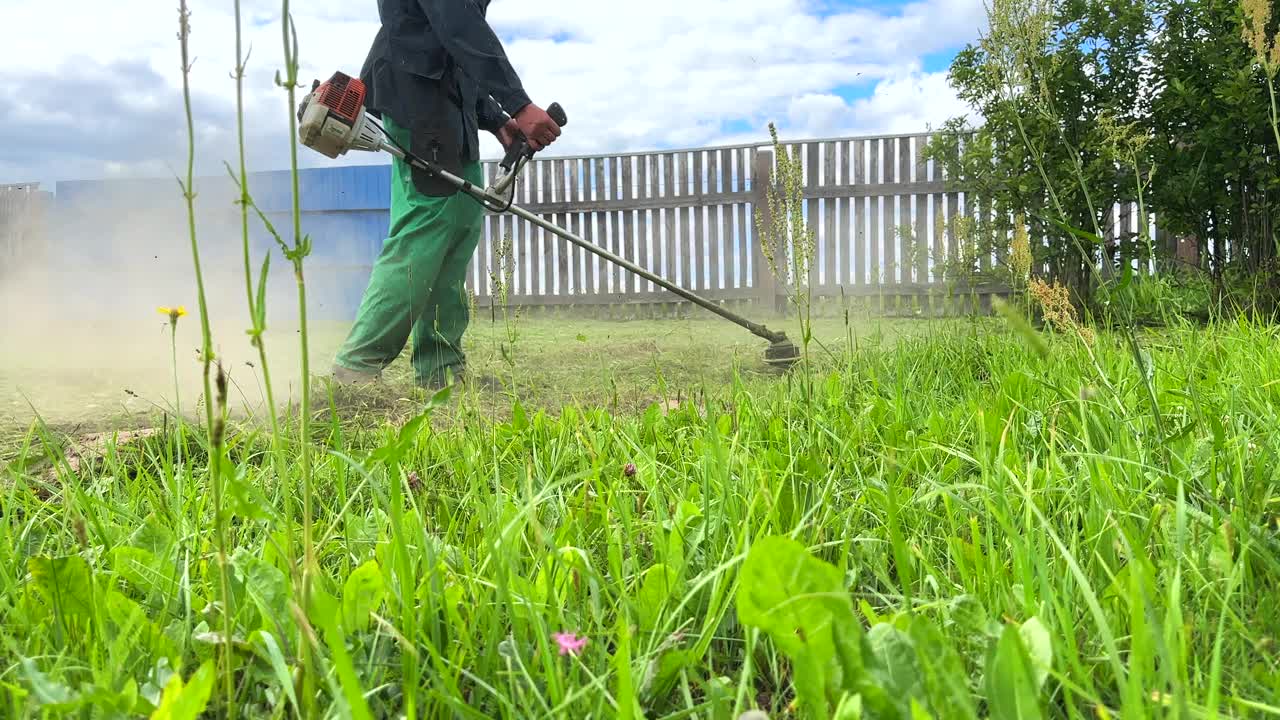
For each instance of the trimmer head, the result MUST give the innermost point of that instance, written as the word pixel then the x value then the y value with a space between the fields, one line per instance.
pixel 781 354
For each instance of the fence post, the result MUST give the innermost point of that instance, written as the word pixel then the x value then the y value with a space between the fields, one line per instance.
pixel 761 181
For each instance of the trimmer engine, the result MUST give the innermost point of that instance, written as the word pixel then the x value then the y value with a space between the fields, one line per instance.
pixel 332 118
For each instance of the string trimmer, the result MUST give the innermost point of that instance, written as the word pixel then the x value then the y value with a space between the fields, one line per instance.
pixel 332 121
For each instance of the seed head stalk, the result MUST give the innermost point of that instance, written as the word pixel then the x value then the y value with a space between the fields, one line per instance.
pixel 1266 49
pixel 257 311
pixel 1275 109
pixel 1020 32
pixel 206 356
pixel 301 247
pixel 790 232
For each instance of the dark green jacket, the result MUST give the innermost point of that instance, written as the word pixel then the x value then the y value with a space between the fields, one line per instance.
pixel 438 69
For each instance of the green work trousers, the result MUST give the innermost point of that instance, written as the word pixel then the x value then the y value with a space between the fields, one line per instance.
pixel 418 285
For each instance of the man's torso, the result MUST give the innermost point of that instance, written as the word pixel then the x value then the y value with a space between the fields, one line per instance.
pixel 411 77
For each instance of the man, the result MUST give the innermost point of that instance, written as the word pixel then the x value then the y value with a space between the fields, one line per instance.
pixel 436 74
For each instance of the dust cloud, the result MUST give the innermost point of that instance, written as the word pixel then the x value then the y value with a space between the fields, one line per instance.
pixel 83 344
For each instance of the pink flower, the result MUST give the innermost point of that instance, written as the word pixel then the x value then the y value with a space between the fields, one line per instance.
pixel 629 470
pixel 570 643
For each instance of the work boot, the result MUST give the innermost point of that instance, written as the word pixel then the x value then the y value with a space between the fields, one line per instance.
pixel 346 377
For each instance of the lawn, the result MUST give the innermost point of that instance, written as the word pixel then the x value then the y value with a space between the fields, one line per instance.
pixel 935 521
pixel 119 373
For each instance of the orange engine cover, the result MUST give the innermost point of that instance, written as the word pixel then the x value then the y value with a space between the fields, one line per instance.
pixel 343 95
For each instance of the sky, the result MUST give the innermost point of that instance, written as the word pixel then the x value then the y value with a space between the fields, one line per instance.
pixel 94 90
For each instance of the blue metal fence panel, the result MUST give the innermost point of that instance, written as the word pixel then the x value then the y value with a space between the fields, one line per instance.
pixel 121 225
pixel 357 187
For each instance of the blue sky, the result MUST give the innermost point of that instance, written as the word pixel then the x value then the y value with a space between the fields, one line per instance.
pixel 935 62
pixel 633 76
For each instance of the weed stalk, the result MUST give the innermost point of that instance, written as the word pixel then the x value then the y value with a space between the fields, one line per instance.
pixel 786 207
pixel 1257 17
pixel 1020 31
pixel 502 278
pixel 206 356
pixel 177 392
pixel 1267 52
pixel 257 305
pixel 296 255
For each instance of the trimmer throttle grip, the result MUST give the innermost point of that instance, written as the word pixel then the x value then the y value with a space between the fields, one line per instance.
pixel 557 113
pixel 520 148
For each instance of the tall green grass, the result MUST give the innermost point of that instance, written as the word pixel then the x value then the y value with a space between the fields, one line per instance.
pixel 974 523
pixel 963 527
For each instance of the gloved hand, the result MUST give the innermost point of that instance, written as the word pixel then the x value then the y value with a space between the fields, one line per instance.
pixel 508 134
pixel 537 126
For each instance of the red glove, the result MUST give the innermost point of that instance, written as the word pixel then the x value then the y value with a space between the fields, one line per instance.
pixel 508 134
pixel 537 126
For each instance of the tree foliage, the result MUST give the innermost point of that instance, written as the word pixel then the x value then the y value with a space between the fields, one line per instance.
pixel 1209 116
pixel 1086 104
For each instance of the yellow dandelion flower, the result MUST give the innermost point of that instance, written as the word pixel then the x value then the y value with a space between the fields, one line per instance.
pixel 173 313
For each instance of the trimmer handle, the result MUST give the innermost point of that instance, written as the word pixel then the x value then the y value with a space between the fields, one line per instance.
pixel 520 148
pixel 557 113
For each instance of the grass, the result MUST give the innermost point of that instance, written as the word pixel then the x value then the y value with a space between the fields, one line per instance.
pixel 939 523
pixel 561 361
pixel 621 366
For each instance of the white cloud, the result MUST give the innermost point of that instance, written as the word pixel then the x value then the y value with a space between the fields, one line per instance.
pixel 909 102
pixel 97 90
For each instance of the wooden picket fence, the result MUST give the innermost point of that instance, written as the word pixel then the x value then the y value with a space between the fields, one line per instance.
pixel 887 227
pixel 882 216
